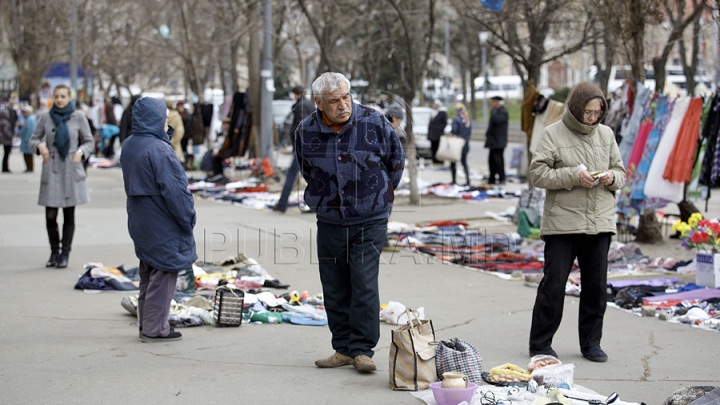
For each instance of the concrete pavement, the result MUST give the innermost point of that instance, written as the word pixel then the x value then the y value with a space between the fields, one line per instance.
pixel 63 346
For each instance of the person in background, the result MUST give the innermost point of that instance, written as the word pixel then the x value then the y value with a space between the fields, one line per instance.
pixel 462 127
pixel 578 219
pixel 496 140
pixel 63 138
pixel 126 120
pixel 161 216
pixel 436 128
pixel 352 161
pixel 28 127
pixel 301 109
pixel 187 123
pixel 6 137
pixel 176 122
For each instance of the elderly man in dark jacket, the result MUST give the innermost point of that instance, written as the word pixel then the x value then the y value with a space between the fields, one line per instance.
pixel 352 161
pixel 161 215
pixel 496 140
pixel 301 109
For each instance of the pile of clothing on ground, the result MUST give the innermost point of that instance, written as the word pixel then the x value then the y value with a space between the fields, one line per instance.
pixel 98 277
pixel 454 242
pixel 669 299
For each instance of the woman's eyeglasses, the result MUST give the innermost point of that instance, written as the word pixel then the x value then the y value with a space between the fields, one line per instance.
pixel 588 114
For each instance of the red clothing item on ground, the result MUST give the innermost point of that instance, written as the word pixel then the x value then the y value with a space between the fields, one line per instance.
pixel 680 163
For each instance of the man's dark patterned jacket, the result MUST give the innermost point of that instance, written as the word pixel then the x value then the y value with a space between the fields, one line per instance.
pixel 351 175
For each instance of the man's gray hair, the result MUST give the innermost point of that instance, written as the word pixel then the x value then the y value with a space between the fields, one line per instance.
pixel 328 82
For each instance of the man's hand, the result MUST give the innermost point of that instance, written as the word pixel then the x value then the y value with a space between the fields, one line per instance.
pixel 586 179
pixel 44 152
pixel 77 157
pixel 607 179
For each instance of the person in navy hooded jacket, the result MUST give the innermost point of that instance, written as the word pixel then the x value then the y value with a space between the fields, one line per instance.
pixel 161 215
pixel 352 161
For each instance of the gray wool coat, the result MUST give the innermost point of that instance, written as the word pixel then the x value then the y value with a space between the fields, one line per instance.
pixel 62 182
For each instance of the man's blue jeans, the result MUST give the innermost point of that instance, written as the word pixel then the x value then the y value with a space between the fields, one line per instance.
pixel 287 188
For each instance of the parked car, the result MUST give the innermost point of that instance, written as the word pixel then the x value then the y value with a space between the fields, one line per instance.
pixel 421 117
pixel 280 111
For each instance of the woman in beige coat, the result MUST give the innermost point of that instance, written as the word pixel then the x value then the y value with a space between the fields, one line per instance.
pixel 175 120
pixel 578 163
pixel 63 138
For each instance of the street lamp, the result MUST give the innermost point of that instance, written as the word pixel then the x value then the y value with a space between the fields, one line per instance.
pixel 483 42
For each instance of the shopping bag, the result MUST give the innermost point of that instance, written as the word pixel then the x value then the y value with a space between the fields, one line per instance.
pixel 458 355
pixel 450 148
pixel 412 355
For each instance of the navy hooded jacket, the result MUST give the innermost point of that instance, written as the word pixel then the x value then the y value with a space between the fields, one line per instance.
pixel 161 213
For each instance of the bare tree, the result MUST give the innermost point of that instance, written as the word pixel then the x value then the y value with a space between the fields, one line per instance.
pixel 675 12
pixel 690 66
pixel 523 27
pixel 29 25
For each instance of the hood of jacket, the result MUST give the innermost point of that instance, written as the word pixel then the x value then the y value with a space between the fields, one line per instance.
pixel 148 118
pixel 582 94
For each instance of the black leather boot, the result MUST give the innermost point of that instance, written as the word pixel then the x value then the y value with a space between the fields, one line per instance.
pixel 54 237
pixel 68 232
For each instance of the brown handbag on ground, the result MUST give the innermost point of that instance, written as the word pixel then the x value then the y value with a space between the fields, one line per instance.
pixel 412 355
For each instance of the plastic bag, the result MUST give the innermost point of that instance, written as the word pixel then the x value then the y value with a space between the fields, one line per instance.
pixel 394 313
pixel 555 374
pixel 542 360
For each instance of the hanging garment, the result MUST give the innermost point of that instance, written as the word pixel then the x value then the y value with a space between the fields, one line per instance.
pixel 656 185
pixel 639 146
pixel 681 159
pixel 663 113
pixel 710 133
pixel 552 114
pixel 526 118
pixel 633 126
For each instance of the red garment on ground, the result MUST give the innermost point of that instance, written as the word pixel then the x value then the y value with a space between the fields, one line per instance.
pixel 680 163
pixel 447 223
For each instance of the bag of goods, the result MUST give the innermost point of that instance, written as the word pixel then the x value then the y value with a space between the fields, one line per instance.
pixel 542 360
pixel 509 373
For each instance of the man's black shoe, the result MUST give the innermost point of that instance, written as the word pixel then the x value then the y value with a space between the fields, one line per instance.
pixel 595 353
pixel 275 284
pixel 171 337
pixel 547 351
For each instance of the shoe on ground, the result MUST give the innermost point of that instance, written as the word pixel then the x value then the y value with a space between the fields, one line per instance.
pixel 53 260
pixel 595 353
pixel 546 351
pixel 274 284
pixel 364 364
pixel 171 337
pixel 336 360
pixel 63 260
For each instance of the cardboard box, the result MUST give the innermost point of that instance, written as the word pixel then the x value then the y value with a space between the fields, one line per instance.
pixel 707 269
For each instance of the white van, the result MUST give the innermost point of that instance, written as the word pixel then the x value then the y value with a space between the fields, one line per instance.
pixel 507 87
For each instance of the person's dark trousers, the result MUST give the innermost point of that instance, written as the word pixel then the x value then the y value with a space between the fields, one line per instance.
pixel 290 177
pixel 496 162
pixel 217 166
pixel 29 167
pixel 560 253
pixel 53 229
pixel 110 150
pixel 156 291
pixel 6 158
pixel 463 161
pixel 434 145
pixel 349 261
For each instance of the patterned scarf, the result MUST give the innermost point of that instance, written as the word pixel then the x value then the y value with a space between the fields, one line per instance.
pixel 62 135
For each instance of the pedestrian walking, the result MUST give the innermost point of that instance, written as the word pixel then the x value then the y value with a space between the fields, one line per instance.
pixel 6 137
pixel 578 219
pixel 462 127
pixel 161 215
pixel 352 161
pixel 301 109
pixel 63 138
pixel 496 140
pixel 28 127
pixel 436 128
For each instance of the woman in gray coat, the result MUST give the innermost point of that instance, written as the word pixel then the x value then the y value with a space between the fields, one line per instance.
pixel 63 138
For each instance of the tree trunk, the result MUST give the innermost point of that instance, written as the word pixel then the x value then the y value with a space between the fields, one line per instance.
pixel 637 57
pixel 411 153
pixel 659 69
pixel 648 228
pixel 254 74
